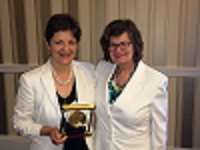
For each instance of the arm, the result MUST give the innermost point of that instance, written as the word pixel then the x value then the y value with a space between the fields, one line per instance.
pixel 160 117
pixel 24 110
pixel 55 135
pixel 23 119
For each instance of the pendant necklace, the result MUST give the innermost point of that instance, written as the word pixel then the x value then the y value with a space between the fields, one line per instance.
pixel 59 81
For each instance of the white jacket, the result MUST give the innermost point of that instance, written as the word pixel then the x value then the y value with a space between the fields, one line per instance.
pixel 138 118
pixel 37 103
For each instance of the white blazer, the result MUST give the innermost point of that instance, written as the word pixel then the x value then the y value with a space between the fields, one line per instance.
pixel 138 118
pixel 37 104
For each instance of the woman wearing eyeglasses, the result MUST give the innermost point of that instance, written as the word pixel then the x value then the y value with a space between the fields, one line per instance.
pixel 131 97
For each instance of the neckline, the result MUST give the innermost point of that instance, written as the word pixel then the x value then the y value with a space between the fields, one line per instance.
pixel 116 74
pixel 57 77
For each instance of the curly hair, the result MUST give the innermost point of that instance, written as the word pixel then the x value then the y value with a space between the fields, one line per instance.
pixel 117 28
pixel 62 22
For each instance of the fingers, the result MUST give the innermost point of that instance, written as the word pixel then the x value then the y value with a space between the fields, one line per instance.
pixel 57 137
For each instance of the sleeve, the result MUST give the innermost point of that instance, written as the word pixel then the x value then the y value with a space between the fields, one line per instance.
pixel 101 68
pixel 24 110
pixel 159 119
pixel 98 68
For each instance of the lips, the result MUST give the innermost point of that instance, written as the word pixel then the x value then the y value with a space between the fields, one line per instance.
pixel 119 55
pixel 64 54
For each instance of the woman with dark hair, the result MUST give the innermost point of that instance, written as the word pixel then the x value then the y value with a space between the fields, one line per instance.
pixel 43 90
pixel 131 97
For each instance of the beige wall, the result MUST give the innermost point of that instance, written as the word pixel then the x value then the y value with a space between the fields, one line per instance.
pixel 171 32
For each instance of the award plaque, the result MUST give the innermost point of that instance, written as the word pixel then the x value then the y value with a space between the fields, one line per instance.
pixel 77 120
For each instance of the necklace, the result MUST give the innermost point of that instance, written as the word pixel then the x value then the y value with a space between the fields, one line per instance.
pixel 117 75
pixel 57 78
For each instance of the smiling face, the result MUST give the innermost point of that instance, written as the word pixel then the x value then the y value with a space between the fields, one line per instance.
pixel 121 49
pixel 62 46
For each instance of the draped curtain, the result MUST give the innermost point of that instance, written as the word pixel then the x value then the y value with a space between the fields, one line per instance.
pixel 170 30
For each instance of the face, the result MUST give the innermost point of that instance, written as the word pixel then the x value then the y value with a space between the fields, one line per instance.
pixel 62 46
pixel 121 49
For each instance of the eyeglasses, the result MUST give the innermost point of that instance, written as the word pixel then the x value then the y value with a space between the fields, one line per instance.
pixel 122 45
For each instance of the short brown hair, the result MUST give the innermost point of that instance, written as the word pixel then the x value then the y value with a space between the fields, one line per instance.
pixel 62 22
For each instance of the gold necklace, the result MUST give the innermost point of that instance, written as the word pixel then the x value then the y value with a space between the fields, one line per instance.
pixel 59 81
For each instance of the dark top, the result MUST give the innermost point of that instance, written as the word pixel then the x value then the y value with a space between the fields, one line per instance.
pixel 73 142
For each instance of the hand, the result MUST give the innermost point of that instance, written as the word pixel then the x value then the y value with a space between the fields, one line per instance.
pixel 56 136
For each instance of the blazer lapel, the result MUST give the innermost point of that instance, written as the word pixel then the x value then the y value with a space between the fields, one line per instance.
pixel 78 80
pixel 134 86
pixel 108 70
pixel 82 91
pixel 48 82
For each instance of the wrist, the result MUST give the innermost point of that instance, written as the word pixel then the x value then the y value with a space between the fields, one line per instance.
pixel 46 130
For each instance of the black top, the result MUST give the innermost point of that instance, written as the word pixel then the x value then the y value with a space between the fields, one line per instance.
pixel 77 143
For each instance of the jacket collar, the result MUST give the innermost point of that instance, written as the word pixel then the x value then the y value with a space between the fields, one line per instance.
pixel 134 85
pixel 48 82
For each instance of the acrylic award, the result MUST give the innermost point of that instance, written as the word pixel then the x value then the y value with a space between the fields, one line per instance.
pixel 77 120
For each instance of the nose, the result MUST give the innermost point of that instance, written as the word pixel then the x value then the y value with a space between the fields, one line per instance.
pixel 65 46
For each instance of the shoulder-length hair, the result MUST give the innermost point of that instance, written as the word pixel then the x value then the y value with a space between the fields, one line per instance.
pixel 117 28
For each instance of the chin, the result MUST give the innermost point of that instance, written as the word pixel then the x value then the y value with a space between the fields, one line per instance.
pixel 119 61
pixel 64 63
